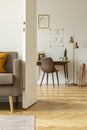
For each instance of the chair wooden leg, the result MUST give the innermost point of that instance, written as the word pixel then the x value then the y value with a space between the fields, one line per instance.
pixel 53 79
pixel 57 77
pixel 47 78
pixel 42 79
pixel 11 104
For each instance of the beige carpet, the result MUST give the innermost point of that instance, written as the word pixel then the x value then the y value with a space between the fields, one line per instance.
pixel 17 122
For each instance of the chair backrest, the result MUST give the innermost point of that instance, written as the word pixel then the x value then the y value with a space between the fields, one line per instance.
pixel 9 61
pixel 47 65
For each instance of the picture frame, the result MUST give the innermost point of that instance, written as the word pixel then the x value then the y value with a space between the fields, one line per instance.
pixel 43 21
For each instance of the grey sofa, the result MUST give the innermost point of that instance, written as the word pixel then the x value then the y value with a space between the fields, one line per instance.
pixel 10 82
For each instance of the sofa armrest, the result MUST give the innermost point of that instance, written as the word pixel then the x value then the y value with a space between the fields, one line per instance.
pixel 17 68
pixel 17 77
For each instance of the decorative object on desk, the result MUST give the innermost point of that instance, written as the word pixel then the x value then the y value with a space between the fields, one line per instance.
pixel 75 46
pixel 61 59
pixel 65 55
pixel 43 21
pixel 40 55
pixel 56 37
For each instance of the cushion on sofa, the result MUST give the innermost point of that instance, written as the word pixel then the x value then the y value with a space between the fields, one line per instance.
pixel 3 57
pixel 6 79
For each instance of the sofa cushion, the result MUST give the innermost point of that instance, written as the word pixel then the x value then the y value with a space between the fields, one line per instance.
pixel 6 79
pixel 2 62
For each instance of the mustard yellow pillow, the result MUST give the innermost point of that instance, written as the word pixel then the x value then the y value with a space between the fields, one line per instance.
pixel 2 61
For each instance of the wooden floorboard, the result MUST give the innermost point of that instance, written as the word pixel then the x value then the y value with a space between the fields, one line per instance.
pixel 57 108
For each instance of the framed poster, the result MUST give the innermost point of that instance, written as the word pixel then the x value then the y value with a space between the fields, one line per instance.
pixel 43 21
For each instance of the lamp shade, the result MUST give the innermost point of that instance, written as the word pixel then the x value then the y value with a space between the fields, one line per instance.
pixel 75 45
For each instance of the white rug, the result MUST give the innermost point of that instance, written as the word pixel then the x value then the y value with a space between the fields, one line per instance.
pixel 17 122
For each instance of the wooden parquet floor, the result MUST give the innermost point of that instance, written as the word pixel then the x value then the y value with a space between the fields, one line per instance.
pixel 58 108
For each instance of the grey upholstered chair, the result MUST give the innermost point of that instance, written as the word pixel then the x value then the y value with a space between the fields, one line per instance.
pixel 47 66
pixel 10 82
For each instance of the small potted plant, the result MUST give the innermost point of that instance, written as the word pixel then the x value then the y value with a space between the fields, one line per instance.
pixel 65 54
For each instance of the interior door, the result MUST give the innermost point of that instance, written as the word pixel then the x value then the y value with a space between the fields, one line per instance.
pixel 29 92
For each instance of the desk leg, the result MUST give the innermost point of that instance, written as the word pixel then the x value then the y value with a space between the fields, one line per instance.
pixel 65 72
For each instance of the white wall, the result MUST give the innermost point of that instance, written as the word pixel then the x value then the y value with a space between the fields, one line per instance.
pixel 67 14
pixel 11 25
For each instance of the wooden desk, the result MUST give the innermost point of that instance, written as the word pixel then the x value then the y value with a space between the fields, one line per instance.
pixel 61 63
